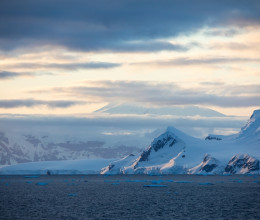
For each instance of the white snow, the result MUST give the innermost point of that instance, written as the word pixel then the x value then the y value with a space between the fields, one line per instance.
pixel 117 165
pixel 89 166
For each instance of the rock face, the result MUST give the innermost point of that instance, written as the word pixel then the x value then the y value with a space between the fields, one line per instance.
pixel 210 137
pixel 168 139
pixel 209 165
pixel 242 164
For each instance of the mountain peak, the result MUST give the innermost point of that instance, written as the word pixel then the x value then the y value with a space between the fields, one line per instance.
pixel 252 126
pixel 171 129
pixel 178 134
pixel 255 115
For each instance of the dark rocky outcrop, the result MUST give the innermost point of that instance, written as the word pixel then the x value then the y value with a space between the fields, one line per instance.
pixel 242 164
pixel 158 144
pixel 145 155
pixel 209 137
pixel 209 163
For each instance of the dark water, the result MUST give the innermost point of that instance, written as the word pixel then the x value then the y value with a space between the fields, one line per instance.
pixel 125 197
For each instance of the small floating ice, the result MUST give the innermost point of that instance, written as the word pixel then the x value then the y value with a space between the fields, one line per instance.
pixel 207 183
pixel 156 181
pixel 31 176
pixel 155 186
pixel 41 183
pixel 183 181
pixel 72 194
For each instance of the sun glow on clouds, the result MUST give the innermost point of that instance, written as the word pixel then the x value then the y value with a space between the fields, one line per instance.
pixel 211 58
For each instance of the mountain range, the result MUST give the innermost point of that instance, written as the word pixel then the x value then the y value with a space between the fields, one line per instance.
pixel 21 148
pixel 27 142
pixel 175 152
pixel 29 139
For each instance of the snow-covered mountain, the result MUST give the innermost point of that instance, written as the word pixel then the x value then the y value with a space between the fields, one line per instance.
pixel 21 148
pixel 176 152
pixel 208 165
pixel 29 141
pixel 138 109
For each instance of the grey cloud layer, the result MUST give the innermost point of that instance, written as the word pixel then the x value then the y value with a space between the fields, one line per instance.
pixel 185 61
pixel 117 25
pixel 15 103
pixel 127 122
pixel 66 66
pixel 165 93
pixel 91 126
pixel 5 75
pixel 9 75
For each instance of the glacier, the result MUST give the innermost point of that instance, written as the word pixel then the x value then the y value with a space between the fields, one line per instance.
pixel 87 166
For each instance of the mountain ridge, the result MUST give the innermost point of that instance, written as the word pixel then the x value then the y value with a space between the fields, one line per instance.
pixel 176 152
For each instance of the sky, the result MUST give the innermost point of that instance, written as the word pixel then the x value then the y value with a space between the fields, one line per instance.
pixel 74 57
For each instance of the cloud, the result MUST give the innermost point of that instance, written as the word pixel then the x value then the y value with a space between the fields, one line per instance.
pixel 7 75
pixel 186 61
pixel 96 25
pixel 16 103
pixel 232 46
pixel 209 83
pixel 158 94
pixel 75 66
pixel 65 66
pixel 94 126
pixel 226 32
pixel 148 46
pixel 233 89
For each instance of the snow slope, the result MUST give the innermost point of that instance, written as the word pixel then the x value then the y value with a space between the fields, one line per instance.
pixel 251 131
